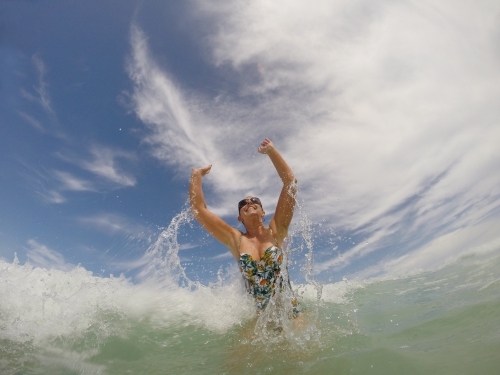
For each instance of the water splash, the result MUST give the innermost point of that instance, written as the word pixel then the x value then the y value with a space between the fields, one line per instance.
pixel 305 232
pixel 163 264
pixel 278 324
pixel 164 268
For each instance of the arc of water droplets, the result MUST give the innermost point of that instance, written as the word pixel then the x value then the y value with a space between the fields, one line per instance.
pixel 164 265
pixel 306 233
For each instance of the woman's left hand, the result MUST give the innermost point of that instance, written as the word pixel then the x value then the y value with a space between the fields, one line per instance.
pixel 266 146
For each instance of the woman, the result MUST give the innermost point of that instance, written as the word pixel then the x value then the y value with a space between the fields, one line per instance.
pixel 258 250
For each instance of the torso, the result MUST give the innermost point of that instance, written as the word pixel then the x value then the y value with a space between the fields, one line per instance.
pixel 262 276
pixel 256 246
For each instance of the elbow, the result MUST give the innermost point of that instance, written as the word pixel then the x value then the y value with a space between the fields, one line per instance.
pixel 194 206
pixel 291 187
pixel 289 178
pixel 198 210
pixel 195 213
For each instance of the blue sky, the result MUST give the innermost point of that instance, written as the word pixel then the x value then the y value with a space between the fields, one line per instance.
pixel 387 112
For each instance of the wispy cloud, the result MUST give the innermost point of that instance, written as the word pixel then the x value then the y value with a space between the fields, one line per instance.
pixel 32 121
pixel 388 112
pixel 42 115
pixel 52 186
pixel 475 240
pixel 187 131
pixel 226 255
pixel 113 223
pixel 43 183
pixel 188 246
pixel 162 107
pixel 104 164
pixel 51 196
pixel 42 87
pixel 70 182
pixel 41 93
pixel 41 256
pixel 130 264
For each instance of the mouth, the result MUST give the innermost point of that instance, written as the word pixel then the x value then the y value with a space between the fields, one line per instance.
pixel 249 207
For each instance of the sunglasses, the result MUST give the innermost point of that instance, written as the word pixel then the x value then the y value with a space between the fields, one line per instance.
pixel 244 202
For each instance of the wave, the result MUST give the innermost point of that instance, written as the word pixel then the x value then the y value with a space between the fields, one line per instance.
pixel 91 324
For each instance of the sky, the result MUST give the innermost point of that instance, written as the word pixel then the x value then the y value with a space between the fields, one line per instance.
pixel 387 111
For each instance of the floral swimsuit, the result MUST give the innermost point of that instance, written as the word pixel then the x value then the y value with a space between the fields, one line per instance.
pixel 262 278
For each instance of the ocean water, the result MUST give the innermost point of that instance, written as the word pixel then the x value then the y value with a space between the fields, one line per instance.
pixel 445 321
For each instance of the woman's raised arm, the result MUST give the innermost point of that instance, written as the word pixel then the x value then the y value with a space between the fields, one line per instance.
pixel 286 202
pixel 214 225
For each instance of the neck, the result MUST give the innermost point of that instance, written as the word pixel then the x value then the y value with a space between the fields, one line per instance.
pixel 254 228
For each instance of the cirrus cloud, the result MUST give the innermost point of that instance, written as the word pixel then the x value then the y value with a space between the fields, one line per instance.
pixel 388 112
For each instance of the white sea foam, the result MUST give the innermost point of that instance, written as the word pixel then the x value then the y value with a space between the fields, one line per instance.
pixel 37 304
pixel 331 293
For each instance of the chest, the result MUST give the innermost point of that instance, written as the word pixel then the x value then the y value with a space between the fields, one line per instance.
pixel 271 261
pixel 258 247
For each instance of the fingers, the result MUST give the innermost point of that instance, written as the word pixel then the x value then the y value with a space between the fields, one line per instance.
pixel 202 170
pixel 265 146
pixel 206 170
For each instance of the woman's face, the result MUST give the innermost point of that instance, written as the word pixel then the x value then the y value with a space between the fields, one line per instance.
pixel 250 206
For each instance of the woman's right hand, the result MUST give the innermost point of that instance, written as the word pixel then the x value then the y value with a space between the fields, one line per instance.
pixel 266 146
pixel 202 171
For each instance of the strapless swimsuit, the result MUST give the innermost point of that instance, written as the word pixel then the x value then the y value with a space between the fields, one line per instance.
pixel 263 278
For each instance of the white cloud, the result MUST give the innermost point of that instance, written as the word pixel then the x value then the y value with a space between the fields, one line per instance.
pixel 70 182
pixel 185 134
pixel 226 255
pixel 32 121
pixel 52 196
pixel 39 180
pixel 187 246
pixel 112 223
pixel 41 256
pixel 41 89
pixel 388 112
pixel 104 164
pixel 131 264
pixel 161 106
pixel 52 185
pixel 41 95
pixel 475 240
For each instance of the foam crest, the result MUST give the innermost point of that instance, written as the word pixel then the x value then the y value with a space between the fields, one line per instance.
pixel 330 293
pixel 39 304
pixel 214 307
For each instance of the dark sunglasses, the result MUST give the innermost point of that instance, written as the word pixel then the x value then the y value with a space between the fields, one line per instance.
pixel 244 202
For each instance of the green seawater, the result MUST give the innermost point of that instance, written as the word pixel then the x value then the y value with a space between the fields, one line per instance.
pixel 440 322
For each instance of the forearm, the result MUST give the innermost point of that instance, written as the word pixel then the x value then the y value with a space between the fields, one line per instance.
pixel 208 220
pixel 196 197
pixel 282 167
